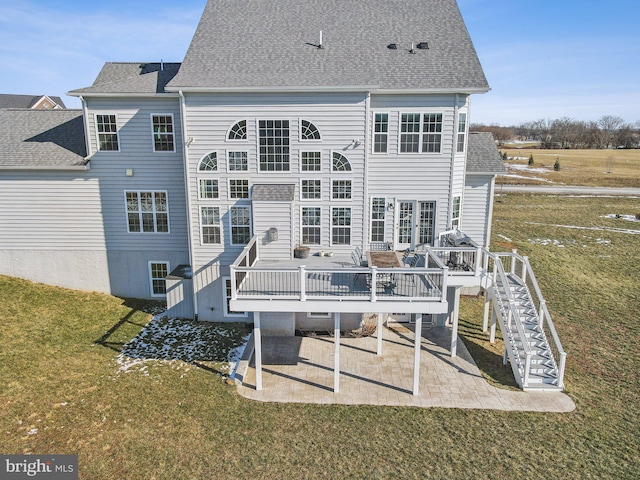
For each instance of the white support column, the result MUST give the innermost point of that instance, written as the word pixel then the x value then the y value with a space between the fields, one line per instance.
pixel 454 328
pixel 379 334
pixel 416 355
pixel 494 319
pixel 257 339
pixel 487 305
pixel 336 356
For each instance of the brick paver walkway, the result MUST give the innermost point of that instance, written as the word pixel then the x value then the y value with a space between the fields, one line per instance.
pixel 300 369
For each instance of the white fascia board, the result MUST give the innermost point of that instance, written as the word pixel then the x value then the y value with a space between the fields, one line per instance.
pixel 52 167
pixel 127 95
pixel 431 91
pixel 332 306
pixel 271 89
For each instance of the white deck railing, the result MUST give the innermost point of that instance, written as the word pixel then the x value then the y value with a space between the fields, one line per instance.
pixel 252 281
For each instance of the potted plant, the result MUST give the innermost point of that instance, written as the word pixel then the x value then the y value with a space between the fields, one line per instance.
pixel 301 252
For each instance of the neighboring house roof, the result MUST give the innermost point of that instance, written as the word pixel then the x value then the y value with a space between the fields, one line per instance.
pixel 28 101
pixel 46 139
pixel 483 155
pixel 260 44
pixel 131 77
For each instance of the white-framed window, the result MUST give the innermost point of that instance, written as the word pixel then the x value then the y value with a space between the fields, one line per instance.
pixel 340 163
pixel 240 223
pixel 238 131
pixel 238 188
pixel 426 222
pixel 209 163
pixel 420 133
pixel 210 225
pixel 311 161
pixel 381 132
pixel 462 132
pixel 341 226
pixel 310 189
pixel 208 188
pixel 273 145
pixel 158 271
pixel 311 219
pixel 308 131
pixel 226 285
pixel 147 211
pixel 378 211
pixel 318 315
pixel 237 161
pixel 455 213
pixel 341 189
pixel 162 132
pixel 107 129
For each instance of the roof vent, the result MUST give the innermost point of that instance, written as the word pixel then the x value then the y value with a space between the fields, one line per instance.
pixel 423 46
pixel 412 50
pixel 392 46
pixel 320 43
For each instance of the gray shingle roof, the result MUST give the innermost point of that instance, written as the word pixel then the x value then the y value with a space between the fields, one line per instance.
pixel 258 43
pixel 273 192
pixel 42 139
pixel 24 101
pixel 131 77
pixel 483 155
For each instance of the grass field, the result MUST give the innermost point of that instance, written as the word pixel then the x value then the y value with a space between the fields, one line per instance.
pixel 63 390
pixel 607 168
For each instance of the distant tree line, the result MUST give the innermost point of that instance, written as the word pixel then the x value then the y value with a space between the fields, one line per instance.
pixel 607 132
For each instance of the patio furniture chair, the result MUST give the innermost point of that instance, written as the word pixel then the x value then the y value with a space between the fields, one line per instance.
pixel 405 255
pixel 414 261
pixel 363 262
pixel 357 264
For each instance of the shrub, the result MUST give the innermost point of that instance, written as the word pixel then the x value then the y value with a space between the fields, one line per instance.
pixel 530 162
pixel 504 156
pixel 637 216
pixel 556 166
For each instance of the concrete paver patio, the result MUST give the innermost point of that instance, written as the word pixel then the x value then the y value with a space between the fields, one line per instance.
pixel 300 370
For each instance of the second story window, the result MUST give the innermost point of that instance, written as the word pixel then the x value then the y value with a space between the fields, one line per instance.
pixel 238 131
pixel 381 127
pixel 208 188
pixel 238 161
pixel 274 145
pixel 162 126
pixel 147 212
pixel 420 133
pixel 462 132
pixel 311 190
pixel 107 129
pixel 341 189
pixel 308 131
pixel 238 188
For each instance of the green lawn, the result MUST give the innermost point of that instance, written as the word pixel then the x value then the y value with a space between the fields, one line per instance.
pixel 60 374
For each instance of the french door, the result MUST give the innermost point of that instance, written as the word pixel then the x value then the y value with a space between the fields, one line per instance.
pixel 415 223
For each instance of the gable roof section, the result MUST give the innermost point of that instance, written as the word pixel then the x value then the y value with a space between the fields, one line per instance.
pixel 26 101
pixel 131 78
pixel 482 155
pixel 273 44
pixel 42 139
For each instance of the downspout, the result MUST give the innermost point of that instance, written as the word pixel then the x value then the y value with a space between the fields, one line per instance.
pixel 187 183
pixel 85 119
pixel 454 144
pixel 366 203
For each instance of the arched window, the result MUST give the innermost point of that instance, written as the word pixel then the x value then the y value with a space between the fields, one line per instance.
pixel 238 131
pixel 308 131
pixel 340 163
pixel 209 163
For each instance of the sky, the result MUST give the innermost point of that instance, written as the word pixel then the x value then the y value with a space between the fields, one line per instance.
pixel 543 59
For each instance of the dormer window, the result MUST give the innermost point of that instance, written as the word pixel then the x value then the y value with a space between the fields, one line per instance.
pixel 340 163
pixel 238 131
pixel 209 163
pixel 308 131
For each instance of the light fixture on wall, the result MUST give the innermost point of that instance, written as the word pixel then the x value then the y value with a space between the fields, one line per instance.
pixel 390 207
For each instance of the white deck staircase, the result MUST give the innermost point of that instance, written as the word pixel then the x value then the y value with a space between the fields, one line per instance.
pixel 531 342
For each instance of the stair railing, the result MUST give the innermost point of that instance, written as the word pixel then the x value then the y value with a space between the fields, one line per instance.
pixel 511 315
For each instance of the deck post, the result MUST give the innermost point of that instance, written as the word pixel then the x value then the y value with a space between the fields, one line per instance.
pixel 336 352
pixel 487 304
pixel 379 334
pixel 257 349
pixel 494 318
pixel 454 329
pixel 416 355
pixel 303 284
pixel 505 357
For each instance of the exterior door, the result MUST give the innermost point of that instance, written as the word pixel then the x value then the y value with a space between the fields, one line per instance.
pixel 415 223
